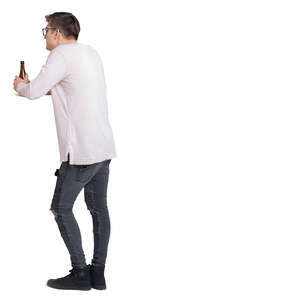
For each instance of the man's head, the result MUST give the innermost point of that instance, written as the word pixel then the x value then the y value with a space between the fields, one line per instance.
pixel 63 27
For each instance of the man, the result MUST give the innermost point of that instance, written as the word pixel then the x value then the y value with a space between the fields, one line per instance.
pixel 74 74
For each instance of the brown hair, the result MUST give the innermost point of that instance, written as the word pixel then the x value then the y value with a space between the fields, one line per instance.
pixel 66 22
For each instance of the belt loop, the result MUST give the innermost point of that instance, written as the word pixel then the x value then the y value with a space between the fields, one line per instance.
pixel 68 157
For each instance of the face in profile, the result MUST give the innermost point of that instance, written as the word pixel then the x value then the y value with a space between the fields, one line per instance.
pixel 51 37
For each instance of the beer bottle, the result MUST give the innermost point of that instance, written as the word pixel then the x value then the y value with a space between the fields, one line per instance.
pixel 22 69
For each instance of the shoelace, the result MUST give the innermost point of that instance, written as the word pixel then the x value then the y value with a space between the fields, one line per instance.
pixel 74 270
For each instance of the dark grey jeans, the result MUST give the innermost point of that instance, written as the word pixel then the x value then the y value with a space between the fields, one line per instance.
pixel 70 180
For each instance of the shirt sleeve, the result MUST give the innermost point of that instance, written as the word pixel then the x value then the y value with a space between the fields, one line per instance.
pixel 53 71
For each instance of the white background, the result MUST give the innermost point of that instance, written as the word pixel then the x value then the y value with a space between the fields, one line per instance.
pixel 204 193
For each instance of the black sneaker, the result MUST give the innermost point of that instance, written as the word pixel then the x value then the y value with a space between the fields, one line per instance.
pixel 78 279
pixel 97 277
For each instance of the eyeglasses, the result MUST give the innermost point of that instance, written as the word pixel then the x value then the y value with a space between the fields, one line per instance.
pixel 45 30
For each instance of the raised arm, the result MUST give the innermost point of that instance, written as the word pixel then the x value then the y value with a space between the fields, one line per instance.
pixel 51 73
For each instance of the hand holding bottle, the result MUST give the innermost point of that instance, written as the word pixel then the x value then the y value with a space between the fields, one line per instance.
pixel 18 80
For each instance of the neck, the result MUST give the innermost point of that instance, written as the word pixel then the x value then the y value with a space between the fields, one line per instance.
pixel 67 42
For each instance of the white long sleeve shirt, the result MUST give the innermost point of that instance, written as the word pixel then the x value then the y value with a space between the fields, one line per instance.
pixel 74 74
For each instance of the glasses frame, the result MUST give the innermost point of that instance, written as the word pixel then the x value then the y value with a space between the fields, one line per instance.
pixel 45 30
